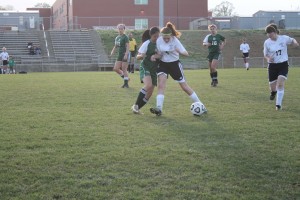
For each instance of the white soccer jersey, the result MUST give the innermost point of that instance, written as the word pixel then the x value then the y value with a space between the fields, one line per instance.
pixel 4 56
pixel 169 50
pixel 278 49
pixel 143 49
pixel 244 47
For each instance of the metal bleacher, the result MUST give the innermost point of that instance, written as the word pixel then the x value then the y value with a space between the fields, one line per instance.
pixel 16 44
pixel 73 46
pixel 61 50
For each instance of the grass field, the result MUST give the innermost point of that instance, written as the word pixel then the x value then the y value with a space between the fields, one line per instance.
pixel 73 136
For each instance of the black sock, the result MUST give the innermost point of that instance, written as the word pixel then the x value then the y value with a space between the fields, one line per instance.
pixel 273 93
pixel 132 68
pixel 142 103
pixel 215 76
pixel 140 97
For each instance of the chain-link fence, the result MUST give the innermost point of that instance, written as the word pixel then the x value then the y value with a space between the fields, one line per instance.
pixel 261 62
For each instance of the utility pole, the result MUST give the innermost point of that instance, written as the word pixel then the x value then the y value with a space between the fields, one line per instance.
pixel 161 13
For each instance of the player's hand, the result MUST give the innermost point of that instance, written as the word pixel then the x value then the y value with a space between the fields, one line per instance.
pixel 270 60
pixel 153 58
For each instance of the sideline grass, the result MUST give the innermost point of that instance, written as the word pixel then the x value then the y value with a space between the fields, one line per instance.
pixel 73 136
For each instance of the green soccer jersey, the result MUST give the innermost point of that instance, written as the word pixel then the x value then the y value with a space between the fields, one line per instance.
pixel 215 41
pixel 11 63
pixel 120 42
pixel 150 49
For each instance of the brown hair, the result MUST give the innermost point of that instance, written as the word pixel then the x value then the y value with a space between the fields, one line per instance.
pixel 272 28
pixel 211 25
pixel 170 29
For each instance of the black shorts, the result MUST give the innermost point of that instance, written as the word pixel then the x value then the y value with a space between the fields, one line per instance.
pixel 245 55
pixel 175 70
pixel 4 62
pixel 132 54
pixel 278 69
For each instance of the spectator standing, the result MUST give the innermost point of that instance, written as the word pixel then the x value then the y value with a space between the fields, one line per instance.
pixel 132 53
pixel 4 57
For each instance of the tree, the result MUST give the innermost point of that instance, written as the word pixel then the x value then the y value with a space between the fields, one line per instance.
pixel 42 5
pixel 224 9
pixel 7 7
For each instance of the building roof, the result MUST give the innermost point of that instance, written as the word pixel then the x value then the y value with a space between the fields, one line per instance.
pixel 13 11
pixel 278 11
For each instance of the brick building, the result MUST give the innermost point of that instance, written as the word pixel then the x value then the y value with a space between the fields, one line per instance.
pixel 138 14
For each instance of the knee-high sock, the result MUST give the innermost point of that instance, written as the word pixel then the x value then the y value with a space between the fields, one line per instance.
pixel 279 97
pixel 160 101
pixel 194 97
pixel 141 96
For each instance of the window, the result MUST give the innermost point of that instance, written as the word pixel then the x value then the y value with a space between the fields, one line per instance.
pixel 21 20
pixel 141 2
pixel 141 23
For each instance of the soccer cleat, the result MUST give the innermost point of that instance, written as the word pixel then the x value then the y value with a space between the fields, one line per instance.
pixel 272 95
pixel 278 107
pixel 156 111
pixel 135 110
pixel 214 84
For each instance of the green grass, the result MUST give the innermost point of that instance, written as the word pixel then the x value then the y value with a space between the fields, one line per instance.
pixel 73 136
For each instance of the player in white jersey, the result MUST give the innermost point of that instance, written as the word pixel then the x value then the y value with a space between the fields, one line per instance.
pixel 245 48
pixel 4 57
pixel 169 48
pixel 275 51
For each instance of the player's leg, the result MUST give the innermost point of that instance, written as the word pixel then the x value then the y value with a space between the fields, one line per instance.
pixel 162 76
pixel 162 81
pixel 214 72
pixel 132 64
pixel 280 84
pixel 246 60
pixel 146 92
pixel 211 73
pixel 280 91
pixel 117 68
pixel 126 78
pixel 273 75
pixel 176 72
pixel 129 61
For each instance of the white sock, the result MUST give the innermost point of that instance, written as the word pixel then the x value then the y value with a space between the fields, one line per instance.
pixel 126 78
pixel 160 101
pixel 247 65
pixel 279 97
pixel 194 97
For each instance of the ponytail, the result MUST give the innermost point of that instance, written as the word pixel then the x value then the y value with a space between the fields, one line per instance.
pixel 170 29
pixel 149 32
pixel 146 35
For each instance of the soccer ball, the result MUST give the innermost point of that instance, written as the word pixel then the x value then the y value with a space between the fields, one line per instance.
pixel 198 108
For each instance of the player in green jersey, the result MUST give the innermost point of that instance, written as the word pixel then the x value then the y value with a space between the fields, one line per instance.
pixel 122 44
pixel 11 65
pixel 147 52
pixel 215 43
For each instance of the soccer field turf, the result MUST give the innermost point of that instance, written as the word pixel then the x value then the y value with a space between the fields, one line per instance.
pixel 73 136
